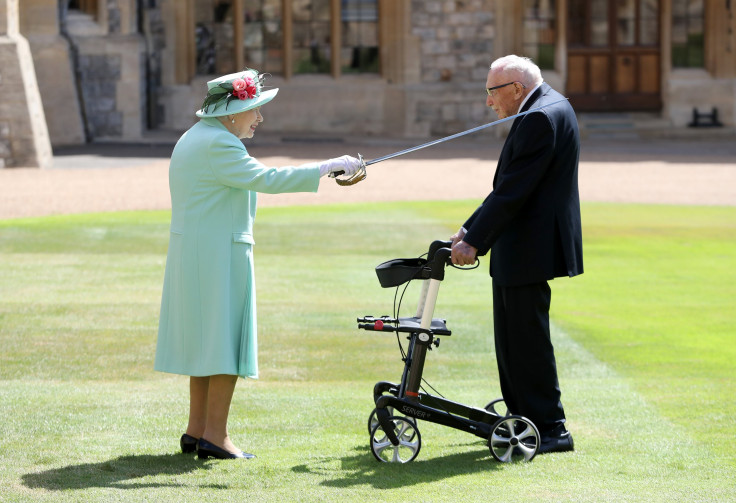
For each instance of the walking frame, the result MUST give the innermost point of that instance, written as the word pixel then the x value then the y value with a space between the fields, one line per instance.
pixel 394 434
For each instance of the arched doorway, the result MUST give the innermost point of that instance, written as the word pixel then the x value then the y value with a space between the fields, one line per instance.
pixel 613 55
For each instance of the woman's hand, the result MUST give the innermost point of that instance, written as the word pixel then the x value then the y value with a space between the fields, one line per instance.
pixel 346 165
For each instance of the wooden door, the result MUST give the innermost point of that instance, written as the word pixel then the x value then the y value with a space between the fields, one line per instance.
pixel 613 55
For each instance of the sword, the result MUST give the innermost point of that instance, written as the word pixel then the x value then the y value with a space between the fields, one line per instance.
pixel 361 174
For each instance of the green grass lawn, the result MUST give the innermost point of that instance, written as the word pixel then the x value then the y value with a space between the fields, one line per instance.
pixel 644 340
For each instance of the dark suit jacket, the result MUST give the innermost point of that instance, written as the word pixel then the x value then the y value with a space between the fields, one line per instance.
pixel 531 220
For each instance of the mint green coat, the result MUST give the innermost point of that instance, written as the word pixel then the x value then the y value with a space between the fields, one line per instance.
pixel 208 306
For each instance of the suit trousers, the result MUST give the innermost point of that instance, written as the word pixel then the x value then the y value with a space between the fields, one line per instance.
pixel 525 356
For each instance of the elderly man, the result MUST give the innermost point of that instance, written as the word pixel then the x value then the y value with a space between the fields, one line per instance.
pixel 530 222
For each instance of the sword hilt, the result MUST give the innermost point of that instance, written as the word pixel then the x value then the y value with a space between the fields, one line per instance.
pixel 358 176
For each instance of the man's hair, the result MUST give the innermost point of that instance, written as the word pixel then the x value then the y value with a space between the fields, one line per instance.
pixel 529 74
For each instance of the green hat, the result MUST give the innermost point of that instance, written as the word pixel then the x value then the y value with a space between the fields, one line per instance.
pixel 235 93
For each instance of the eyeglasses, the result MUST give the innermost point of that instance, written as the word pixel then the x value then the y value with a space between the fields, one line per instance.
pixel 492 90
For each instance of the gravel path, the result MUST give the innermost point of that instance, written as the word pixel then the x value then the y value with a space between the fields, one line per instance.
pixel 108 177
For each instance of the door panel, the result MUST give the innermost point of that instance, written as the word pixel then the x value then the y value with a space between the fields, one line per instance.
pixel 649 73
pixel 625 74
pixel 576 74
pixel 598 76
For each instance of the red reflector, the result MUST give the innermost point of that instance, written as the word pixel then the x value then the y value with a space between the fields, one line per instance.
pixel 379 325
pixel 411 393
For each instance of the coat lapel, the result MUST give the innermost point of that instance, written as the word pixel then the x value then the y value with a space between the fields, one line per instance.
pixel 531 101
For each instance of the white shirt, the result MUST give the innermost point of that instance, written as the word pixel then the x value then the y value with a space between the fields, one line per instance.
pixel 527 96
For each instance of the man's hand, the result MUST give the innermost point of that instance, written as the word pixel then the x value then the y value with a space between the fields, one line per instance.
pixel 458 236
pixel 463 253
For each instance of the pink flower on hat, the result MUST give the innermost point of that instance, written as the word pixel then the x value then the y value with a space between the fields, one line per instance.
pixel 251 89
pixel 239 85
pixel 245 88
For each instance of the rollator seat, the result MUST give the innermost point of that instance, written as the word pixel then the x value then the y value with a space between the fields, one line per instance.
pixel 398 271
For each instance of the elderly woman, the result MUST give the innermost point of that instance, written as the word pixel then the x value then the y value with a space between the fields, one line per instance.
pixel 207 328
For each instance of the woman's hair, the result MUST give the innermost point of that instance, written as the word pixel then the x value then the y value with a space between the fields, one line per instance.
pixel 529 73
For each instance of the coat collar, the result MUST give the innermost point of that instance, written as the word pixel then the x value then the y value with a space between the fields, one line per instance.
pixel 533 98
pixel 213 122
pixel 538 93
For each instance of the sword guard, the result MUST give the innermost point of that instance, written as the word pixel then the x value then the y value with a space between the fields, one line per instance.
pixel 356 177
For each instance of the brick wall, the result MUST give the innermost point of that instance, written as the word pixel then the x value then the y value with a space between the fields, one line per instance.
pixel 456 48
pixel 456 39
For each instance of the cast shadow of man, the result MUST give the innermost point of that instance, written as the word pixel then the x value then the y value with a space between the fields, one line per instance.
pixel 361 468
pixel 122 473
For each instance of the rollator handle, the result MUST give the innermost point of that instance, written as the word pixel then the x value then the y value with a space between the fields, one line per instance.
pixel 378 326
pixel 435 246
pixel 439 257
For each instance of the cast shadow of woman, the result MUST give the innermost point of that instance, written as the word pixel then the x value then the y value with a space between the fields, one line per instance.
pixel 121 473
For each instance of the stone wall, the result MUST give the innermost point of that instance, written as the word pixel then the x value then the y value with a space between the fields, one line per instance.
pixel 456 50
pixel 24 140
pixel 110 71
pixel 100 74
pixel 690 89
pixel 456 39
pixel 91 69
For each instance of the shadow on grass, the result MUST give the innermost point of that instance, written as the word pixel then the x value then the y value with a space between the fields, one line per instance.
pixel 120 473
pixel 362 469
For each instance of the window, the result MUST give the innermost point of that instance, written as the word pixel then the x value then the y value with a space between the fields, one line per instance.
pixel 588 23
pixel 599 24
pixel 263 35
pixel 359 50
pixel 311 40
pixel 637 23
pixel 540 32
pixel 649 22
pixel 285 36
pixel 213 37
pixel 687 34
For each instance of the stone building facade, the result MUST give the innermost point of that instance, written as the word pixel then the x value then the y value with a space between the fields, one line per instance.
pixel 24 138
pixel 118 69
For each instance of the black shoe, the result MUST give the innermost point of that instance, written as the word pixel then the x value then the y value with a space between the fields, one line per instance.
pixel 561 442
pixel 207 449
pixel 188 443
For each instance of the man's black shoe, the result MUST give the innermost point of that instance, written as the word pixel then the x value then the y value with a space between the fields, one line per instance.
pixel 556 443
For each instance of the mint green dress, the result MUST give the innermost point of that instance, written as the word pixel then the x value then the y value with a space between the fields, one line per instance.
pixel 208 320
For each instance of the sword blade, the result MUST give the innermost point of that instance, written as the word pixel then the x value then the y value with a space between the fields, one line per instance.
pixel 458 135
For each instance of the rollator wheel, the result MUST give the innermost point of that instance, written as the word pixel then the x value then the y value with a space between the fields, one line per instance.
pixel 513 438
pixel 498 408
pixel 410 441
pixel 373 420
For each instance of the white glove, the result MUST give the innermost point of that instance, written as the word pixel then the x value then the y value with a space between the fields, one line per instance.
pixel 345 164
